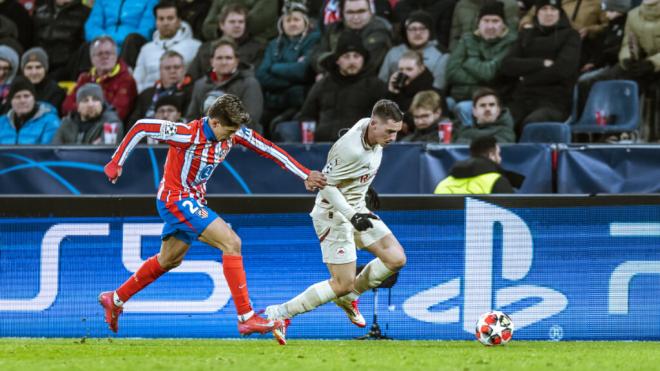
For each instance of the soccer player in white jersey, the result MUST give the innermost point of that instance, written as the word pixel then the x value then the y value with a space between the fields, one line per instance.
pixel 343 222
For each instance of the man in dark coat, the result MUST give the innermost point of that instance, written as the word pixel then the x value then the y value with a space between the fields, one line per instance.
pixel 346 94
pixel 545 61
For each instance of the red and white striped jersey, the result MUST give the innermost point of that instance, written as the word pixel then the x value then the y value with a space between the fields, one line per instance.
pixel 195 152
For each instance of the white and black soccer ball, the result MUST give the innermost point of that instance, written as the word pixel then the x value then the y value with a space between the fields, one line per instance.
pixel 494 328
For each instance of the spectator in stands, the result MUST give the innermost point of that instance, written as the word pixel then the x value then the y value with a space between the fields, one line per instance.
pixel 440 10
pixel 481 173
pixel 8 70
pixel 373 32
pixel 228 76
pixel 602 51
pixel 426 110
pixel 466 18
pixel 418 34
pixel 111 73
pixel 34 65
pixel 284 72
pixel 93 122
pixel 411 78
pixel 173 81
pixel 545 61
pixel 477 58
pixel 330 10
pixel 28 121
pixel 232 24
pixel 169 108
pixel 129 23
pixel 60 30
pixel 194 12
pixel 171 35
pixel 640 52
pixel 585 16
pixel 261 18
pixel 15 11
pixel 490 119
pixel 345 95
pixel 9 34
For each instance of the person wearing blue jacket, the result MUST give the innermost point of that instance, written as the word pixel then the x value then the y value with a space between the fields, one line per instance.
pixel 28 121
pixel 284 73
pixel 129 23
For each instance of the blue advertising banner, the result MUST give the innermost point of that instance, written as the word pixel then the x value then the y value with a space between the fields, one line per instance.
pixel 609 169
pixel 601 283
pixel 405 169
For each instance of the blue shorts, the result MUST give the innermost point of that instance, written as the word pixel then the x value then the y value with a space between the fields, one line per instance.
pixel 185 219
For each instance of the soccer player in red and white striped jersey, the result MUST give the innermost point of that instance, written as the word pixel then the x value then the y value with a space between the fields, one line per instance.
pixel 195 150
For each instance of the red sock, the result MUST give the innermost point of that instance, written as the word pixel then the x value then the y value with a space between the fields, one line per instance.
pixel 148 273
pixel 232 267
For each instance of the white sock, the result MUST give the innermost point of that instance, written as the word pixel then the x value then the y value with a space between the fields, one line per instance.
pixel 115 298
pixel 314 296
pixel 371 276
pixel 246 316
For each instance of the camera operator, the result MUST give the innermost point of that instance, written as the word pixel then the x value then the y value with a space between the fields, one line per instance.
pixel 411 78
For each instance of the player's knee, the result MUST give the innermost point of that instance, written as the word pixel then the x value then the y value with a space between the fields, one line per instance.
pixel 398 262
pixel 233 244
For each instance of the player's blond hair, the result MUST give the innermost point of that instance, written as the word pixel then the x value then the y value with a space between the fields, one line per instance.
pixel 387 110
pixel 229 110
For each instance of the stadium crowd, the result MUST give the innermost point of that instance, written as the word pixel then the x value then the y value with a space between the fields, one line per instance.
pixel 83 72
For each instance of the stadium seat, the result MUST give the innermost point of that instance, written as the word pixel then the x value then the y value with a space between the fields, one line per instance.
pixel 546 132
pixel 617 102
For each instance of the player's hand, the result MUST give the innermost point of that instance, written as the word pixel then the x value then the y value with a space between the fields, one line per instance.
pixel 113 171
pixel 361 222
pixel 315 181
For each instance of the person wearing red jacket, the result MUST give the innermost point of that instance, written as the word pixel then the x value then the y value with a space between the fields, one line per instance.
pixel 111 73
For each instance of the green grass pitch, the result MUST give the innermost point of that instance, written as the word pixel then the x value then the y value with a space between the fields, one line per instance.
pixel 148 354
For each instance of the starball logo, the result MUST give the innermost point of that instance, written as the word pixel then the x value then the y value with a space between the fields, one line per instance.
pixel 479 297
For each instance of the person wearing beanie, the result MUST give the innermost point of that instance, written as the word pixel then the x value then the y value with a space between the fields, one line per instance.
pixel 8 70
pixel 418 34
pixel 283 73
pixel 34 66
pixel 93 122
pixel 477 58
pixel 374 33
pixel 544 62
pixel 344 95
pixel 169 108
pixel 171 34
pixel 441 11
pixel 233 22
pixel 28 121
pixel 585 16
pixel 466 18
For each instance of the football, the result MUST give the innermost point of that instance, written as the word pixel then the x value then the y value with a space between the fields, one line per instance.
pixel 494 328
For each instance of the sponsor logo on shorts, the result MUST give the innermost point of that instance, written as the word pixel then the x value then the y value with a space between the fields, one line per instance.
pixel 341 251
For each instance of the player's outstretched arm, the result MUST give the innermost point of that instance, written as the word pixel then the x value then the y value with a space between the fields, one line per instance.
pixel 248 138
pixel 173 133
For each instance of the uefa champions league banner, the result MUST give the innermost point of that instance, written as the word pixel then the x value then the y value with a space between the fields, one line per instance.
pixel 405 169
pixel 578 272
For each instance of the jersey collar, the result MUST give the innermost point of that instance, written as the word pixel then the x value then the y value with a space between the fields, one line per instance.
pixel 208 132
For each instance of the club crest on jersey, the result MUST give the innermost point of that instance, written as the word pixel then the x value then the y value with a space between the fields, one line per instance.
pixel 168 129
pixel 202 213
pixel 206 172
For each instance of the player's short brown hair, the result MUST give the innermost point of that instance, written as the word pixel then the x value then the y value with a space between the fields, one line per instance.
pixel 426 99
pixel 232 8
pixel 229 110
pixel 387 110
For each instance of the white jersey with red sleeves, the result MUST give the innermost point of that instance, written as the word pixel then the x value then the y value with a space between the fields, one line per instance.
pixel 195 152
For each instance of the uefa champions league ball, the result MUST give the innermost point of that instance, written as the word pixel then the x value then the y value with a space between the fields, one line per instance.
pixel 494 328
